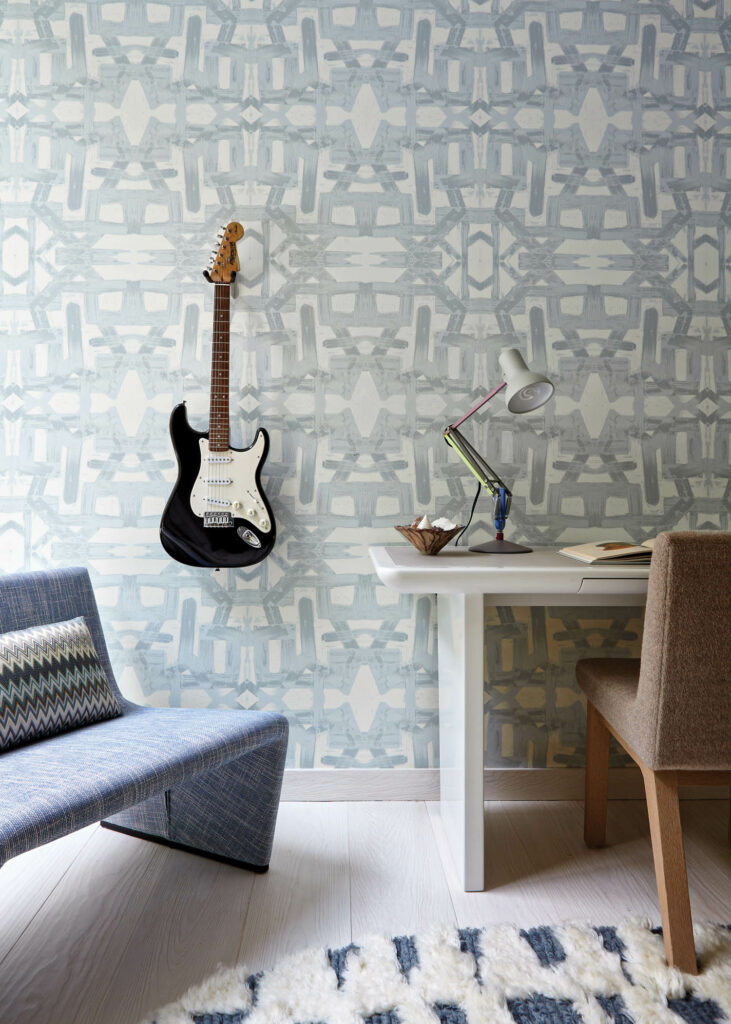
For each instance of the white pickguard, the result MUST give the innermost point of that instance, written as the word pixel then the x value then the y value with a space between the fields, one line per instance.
pixel 227 483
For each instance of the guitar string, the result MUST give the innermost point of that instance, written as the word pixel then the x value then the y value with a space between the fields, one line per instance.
pixel 218 393
pixel 215 432
pixel 221 382
pixel 226 319
pixel 224 343
pixel 219 416
pixel 219 369
pixel 250 383
pixel 246 383
pixel 219 412
pixel 212 411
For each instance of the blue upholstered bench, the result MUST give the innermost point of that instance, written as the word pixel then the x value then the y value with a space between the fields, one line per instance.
pixel 201 780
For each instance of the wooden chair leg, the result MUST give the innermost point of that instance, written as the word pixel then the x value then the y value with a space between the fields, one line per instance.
pixel 597 775
pixel 663 808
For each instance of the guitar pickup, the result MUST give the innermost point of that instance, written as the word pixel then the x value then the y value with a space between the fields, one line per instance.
pixel 218 519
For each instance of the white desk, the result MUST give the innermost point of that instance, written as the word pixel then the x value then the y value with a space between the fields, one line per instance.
pixel 462 583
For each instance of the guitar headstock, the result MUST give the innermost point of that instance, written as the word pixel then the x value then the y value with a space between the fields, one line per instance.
pixel 224 261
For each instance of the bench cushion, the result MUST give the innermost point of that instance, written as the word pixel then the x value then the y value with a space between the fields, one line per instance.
pixel 50 788
pixel 50 681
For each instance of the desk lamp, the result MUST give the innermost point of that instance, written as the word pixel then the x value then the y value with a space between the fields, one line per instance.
pixel 525 391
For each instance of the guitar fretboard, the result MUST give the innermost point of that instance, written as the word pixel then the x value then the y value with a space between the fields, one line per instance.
pixel 218 418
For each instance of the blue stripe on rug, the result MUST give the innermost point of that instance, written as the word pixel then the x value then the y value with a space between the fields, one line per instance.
pixel 450 1014
pixel 220 1018
pixel 615 1009
pixel 545 945
pixel 610 940
pixel 338 959
pixel 469 942
pixel 406 953
pixel 613 944
pixel 697 1011
pixel 539 1009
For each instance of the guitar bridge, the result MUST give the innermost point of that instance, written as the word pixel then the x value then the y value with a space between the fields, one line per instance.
pixel 218 519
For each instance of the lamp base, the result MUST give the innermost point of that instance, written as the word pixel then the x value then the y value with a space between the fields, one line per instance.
pixel 500 547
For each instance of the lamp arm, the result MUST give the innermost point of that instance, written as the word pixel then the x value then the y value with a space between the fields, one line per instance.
pixel 475 462
pixel 485 474
pixel 478 405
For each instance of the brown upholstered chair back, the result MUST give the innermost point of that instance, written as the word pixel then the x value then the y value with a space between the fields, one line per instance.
pixel 684 692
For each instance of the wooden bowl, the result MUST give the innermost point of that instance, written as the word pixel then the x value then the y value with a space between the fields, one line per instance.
pixel 428 542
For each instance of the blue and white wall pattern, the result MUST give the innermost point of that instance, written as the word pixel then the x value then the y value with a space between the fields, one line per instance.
pixel 422 184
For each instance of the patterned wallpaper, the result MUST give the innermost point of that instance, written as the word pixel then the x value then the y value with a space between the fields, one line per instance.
pixel 422 184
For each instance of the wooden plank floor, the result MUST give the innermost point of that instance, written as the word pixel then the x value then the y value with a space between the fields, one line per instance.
pixel 99 928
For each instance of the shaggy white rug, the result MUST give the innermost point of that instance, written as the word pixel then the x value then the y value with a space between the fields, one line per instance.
pixel 567 974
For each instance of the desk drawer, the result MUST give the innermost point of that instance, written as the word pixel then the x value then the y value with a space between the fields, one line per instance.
pixel 612 585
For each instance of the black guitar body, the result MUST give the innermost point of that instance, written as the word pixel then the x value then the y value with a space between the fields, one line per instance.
pixel 184 535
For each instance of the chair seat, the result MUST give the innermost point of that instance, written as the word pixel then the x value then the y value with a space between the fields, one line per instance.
pixel 52 787
pixel 611 686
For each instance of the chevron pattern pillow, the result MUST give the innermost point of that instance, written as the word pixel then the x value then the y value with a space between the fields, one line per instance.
pixel 51 681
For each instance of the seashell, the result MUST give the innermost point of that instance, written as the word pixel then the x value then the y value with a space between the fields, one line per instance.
pixel 428 542
pixel 425 524
pixel 443 524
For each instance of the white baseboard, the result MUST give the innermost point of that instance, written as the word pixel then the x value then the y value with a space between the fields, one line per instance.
pixel 320 784
pixel 361 784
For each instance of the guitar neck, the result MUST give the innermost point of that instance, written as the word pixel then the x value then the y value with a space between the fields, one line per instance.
pixel 218 418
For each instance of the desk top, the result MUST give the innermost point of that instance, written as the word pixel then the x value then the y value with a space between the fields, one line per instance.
pixel 542 572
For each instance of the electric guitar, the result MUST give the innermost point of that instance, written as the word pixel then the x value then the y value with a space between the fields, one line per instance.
pixel 218 516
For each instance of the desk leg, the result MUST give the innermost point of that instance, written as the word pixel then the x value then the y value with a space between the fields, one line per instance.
pixel 461 715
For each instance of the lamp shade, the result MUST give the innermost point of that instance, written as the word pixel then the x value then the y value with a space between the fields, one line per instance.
pixel 525 390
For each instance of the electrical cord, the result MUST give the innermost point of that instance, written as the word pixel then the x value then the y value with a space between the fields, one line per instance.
pixel 472 512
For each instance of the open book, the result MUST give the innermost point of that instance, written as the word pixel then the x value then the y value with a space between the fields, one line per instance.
pixel 611 551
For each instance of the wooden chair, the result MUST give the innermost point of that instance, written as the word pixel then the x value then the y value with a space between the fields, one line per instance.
pixel 670 710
